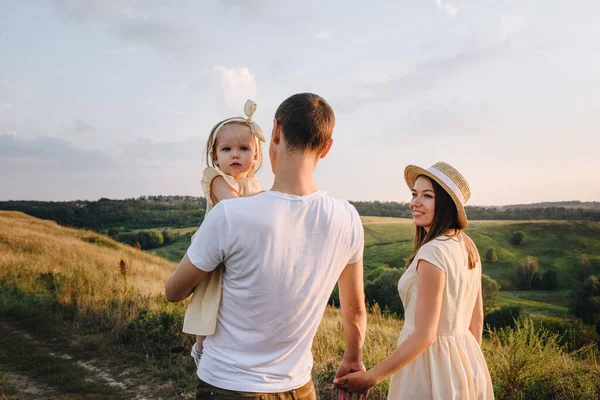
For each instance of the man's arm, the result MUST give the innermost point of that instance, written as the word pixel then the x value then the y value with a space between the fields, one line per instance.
pixel 183 281
pixel 354 312
pixel 204 254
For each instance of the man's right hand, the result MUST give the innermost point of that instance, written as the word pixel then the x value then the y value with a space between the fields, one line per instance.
pixel 345 368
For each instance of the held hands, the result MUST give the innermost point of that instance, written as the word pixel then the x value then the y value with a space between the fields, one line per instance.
pixel 352 370
pixel 359 382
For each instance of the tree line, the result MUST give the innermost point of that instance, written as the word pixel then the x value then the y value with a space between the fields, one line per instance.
pixel 181 211
pixel 569 211
pixel 141 213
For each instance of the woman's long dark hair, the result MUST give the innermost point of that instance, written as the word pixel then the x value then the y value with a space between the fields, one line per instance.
pixel 445 222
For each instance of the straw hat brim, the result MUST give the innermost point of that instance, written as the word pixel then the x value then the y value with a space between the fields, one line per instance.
pixel 412 172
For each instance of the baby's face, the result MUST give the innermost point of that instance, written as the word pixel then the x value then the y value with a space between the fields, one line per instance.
pixel 235 150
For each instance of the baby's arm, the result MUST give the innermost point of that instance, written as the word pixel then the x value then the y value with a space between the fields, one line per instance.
pixel 220 190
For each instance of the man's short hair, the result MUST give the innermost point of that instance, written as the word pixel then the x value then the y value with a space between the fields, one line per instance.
pixel 307 122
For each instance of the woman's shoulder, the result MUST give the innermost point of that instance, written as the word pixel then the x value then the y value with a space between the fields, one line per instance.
pixel 436 252
pixel 439 243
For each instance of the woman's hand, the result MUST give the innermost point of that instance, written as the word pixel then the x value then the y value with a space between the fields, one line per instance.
pixel 356 382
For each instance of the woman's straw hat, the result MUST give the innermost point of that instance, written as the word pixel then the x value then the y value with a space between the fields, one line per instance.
pixel 448 178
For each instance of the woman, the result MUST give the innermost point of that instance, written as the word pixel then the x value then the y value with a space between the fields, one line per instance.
pixel 439 354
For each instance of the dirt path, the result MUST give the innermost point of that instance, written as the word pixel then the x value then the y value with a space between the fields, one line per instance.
pixel 34 368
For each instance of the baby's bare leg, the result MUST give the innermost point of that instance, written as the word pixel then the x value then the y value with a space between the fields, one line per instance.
pixel 197 349
pixel 200 343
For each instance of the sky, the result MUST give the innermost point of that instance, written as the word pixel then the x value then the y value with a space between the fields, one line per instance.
pixel 116 99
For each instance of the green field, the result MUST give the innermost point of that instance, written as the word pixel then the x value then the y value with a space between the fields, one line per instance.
pixel 175 251
pixel 534 304
pixel 558 245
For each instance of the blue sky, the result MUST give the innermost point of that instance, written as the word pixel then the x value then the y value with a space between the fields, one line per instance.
pixel 116 98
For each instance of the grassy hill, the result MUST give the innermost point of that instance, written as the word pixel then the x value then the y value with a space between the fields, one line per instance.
pixel 558 245
pixel 78 323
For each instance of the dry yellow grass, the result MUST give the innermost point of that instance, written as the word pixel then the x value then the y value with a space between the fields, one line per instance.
pixel 31 246
pixel 84 264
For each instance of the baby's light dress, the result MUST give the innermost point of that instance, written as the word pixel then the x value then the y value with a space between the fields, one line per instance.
pixel 203 309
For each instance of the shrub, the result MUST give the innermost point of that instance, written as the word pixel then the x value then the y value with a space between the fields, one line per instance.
pixel 585 301
pixel 491 256
pixel 526 362
pixel 504 317
pixel 526 273
pixel 150 239
pixel 384 291
pixel 169 236
pixel 489 289
pixel 154 333
pixel 549 281
pixel 518 238
pixel 573 333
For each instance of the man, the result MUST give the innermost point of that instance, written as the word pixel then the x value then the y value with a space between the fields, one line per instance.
pixel 283 250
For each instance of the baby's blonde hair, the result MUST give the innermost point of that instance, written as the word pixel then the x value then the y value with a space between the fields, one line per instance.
pixel 211 144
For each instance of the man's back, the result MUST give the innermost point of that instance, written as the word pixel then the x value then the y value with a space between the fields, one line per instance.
pixel 283 255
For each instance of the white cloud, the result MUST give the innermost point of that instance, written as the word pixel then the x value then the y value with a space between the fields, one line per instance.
pixel 11 134
pixel 511 25
pixel 50 152
pixel 140 22
pixel 323 35
pixel 238 85
pixel 373 77
pixel 450 8
pixel 81 127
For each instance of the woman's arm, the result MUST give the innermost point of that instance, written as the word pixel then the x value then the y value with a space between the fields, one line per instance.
pixel 476 325
pixel 431 285
pixel 220 190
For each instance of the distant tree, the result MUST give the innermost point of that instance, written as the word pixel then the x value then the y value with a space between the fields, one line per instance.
pixel 169 236
pixel 114 233
pixel 489 291
pixel 384 291
pixel 504 317
pixel 150 239
pixel 585 301
pixel 585 267
pixel 526 272
pixel 128 237
pixel 491 256
pixel 518 238
pixel 549 280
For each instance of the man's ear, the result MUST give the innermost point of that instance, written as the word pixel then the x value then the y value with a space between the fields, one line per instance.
pixel 327 148
pixel 276 135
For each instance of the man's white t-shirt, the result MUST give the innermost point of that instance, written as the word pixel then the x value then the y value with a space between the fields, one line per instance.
pixel 283 255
